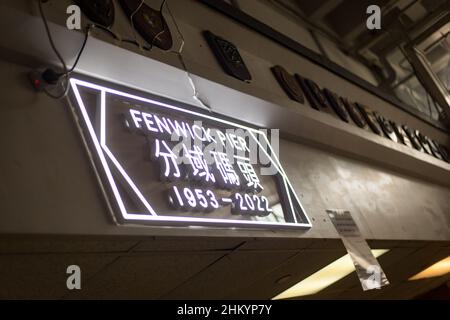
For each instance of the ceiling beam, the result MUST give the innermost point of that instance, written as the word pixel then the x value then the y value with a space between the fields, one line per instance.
pixel 325 9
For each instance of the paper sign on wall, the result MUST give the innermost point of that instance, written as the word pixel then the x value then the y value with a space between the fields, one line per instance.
pixel 369 271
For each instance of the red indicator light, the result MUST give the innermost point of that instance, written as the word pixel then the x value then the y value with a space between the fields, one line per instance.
pixel 37 83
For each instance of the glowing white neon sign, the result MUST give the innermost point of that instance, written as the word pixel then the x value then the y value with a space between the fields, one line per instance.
pixel 220 173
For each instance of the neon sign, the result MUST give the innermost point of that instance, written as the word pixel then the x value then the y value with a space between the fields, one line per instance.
pixel 163 164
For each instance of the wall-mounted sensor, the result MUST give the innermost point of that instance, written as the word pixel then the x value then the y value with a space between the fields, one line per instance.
pixel 149 23
pixel 337 104
pixel 401 134
pixel 354 113
pixel 289 84
pixel 228 56
pixel 386 127
pixel 369 116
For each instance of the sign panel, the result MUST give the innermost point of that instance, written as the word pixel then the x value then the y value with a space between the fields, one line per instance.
pixel 369 271
pixel 162 163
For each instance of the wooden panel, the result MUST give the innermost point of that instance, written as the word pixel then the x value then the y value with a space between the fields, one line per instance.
pixel 227 277
pixel 295 269
pixel 145 276
pixel 43 276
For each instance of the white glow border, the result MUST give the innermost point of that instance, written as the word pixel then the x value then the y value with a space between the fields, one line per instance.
pixel 102 149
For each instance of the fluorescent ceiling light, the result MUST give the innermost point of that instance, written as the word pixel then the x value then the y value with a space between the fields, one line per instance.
pixel 438 269
pixel 324 277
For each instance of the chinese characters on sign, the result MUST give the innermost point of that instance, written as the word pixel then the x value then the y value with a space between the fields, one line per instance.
pixel 206 166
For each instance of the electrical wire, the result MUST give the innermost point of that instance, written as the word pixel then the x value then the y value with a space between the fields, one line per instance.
pixel 107 30
pixel 80 52
pixel 136 42
pixel 196 94
pixel 132 22
pixel 117 37
pixel 55 50
pixel 67 71
pixel 161 7
pixel 131 41
pixel 47 30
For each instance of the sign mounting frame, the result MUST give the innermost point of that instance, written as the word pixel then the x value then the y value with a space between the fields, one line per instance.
pixel 102 157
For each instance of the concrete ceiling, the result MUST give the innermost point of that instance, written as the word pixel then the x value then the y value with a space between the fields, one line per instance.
pixel 345 20
pixel 199 268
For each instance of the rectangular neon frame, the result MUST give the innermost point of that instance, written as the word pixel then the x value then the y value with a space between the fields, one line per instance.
pixel 151 216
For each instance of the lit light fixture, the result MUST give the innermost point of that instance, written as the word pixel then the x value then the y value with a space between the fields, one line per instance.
pixel 438 269
pixel 324 277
